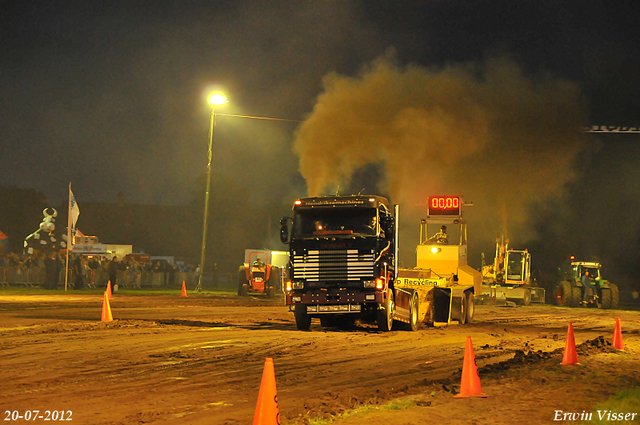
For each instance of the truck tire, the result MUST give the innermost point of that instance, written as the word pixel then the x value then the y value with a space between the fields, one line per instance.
pixel 576 296
pixel 242 280
pixel 303 320
pixel 384 316
pixel 471 306
pixel 563 294
pixel 464 306
pixel 527 297
pixel 414 313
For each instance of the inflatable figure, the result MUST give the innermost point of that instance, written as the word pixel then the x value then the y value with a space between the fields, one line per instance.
pixel 44 240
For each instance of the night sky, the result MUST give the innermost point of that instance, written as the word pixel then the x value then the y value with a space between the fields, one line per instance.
pixel 111 96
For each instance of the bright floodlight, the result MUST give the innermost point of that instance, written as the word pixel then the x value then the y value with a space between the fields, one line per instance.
pixel 218 99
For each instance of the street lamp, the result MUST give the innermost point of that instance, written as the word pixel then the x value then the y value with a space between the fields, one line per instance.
pixel 215 101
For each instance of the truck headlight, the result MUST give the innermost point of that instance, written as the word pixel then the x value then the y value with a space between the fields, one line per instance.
pixel 369 283
pixel 298 284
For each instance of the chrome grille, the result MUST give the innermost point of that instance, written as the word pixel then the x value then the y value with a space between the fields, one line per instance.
pixel 334 265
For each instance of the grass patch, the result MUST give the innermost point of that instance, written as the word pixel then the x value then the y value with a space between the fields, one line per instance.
pixel 364 410
pixel 626 401
pixel 15 290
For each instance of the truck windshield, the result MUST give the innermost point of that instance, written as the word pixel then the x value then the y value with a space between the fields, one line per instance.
pixel 311 223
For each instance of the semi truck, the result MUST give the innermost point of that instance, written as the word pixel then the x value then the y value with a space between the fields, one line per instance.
pixel 508 278
pixel 343 265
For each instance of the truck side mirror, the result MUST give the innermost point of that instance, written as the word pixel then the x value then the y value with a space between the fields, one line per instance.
pixel 284 230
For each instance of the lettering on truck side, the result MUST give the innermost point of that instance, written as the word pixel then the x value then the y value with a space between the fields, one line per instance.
pixel 417 282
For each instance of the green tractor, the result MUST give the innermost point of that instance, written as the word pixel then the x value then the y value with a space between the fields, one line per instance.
pixel 569 291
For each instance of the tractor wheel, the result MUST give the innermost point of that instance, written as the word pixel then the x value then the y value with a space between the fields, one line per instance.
pixel 471 306
pixel 527 297
pixel 576 296
pixel 610 296
pixel 242 280
pixel 615 295
pixel 303 320
pixel 384 316
pixel 274 280
pixel 563 294
pixel 271 291
pixel 244 291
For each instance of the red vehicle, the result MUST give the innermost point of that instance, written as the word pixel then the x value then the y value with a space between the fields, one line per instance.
pixel 258 275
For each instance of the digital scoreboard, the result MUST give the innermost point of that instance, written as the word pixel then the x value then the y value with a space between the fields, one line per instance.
pixel 444 205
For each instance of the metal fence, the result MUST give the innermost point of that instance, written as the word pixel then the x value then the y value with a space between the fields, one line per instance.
pixel 35 276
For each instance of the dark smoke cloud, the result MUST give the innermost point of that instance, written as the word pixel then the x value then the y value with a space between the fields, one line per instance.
pixel 489 132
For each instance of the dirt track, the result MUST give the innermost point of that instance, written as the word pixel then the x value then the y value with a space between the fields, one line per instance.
pixel 199 360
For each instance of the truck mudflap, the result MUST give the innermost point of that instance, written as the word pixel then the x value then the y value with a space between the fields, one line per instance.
pixel 342 301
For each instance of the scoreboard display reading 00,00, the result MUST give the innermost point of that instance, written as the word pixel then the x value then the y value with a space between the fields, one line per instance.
pixel 444 205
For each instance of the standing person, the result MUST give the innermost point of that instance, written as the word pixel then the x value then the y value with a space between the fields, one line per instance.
pixel 78 269
pixel 112 268
pixel 587 286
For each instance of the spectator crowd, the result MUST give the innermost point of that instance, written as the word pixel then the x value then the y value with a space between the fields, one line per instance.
pixel 90 271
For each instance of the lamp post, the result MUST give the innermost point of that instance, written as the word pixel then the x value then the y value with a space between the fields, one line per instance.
pixel 215 100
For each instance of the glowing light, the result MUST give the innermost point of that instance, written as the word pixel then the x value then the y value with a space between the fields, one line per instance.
pixel 435 250
pixel 379 283
pixel 218 99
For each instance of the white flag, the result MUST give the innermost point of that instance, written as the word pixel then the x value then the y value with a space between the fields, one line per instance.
pixel 73 207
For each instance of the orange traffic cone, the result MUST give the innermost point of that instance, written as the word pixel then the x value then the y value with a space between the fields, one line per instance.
pixel 470 385
pixel 570 357
pixel 109 290
pixel 106 309
pixel 267 411
pixel 184 290
pixel 617 336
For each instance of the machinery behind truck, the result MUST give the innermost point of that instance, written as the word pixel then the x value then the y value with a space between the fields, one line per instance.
pixel 508 278
pixel 343 265
pixel 570 290
pixel 260 273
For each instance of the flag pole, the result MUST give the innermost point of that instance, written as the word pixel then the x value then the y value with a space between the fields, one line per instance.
pixel 66 269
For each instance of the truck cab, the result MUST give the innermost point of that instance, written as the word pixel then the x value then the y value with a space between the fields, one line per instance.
pixel 342 258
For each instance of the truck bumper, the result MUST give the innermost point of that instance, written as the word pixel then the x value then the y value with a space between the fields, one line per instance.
pixel 343 301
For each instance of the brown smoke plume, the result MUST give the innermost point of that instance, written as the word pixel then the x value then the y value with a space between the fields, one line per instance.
pixel 490 133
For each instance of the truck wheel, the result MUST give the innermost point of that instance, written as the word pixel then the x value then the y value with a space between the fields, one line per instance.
pixel 303 320
pixel 384 316
pixel 414 313
pixel 576 296
pixel 527 297
pixel 563 294
pixel 242 280
pixel 463 309
pixel 471 306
